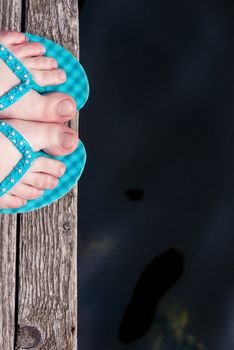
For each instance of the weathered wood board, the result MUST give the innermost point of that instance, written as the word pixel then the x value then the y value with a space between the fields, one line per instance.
pixel 38 272
pixel 10 18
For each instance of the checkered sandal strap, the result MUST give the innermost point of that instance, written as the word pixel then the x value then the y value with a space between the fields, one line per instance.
pixel 25 77
pixel 28 155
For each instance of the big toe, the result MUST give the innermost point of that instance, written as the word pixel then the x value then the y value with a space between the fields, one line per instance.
pixel 58 107
pixel 52 107
pixel 55 139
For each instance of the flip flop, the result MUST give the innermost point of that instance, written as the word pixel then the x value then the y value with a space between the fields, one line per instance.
pixel 74 163
pixel 76 86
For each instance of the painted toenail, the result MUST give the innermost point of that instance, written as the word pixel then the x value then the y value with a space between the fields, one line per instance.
pixel 62 75
pixel 65 108
pixel 68 140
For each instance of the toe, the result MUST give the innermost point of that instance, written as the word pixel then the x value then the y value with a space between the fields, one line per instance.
pixel 59 107
pixel 51 107
pixel 40 180
pixel 58 139
pixel 49 77
pixel 28 49
pixel 40 62
pixel 25 191
pixel 62 141
pixel 8 37
pixel 9 202
pixel 47 165
pixel 55 139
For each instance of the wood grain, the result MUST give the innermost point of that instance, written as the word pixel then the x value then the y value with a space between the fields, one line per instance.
pixel 10 19
pixel 10 14
pixel 48 237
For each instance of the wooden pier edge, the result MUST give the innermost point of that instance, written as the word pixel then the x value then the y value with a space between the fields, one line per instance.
pixel 39 253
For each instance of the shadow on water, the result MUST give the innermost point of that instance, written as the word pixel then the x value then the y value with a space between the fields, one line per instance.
pixel 134 194
pixel 156 280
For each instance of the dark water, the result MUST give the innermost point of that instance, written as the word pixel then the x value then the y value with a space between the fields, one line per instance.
pixel 159 134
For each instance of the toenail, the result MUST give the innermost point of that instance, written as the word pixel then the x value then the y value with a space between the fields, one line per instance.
pixel 53 63
pixel 62 75
pixel 67 140
pixel 65 108
pixel 23 38
pixel 54 182
pixel 62 170
pixel 43 50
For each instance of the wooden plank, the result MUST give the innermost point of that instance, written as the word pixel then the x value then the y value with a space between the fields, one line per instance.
pixel 48 237
pixel 7 281
pixel 10 19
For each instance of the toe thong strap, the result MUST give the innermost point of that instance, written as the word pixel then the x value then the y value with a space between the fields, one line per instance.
pixel 25 77
pixel 28 155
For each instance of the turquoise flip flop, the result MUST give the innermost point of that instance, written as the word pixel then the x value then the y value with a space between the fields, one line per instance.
pixel 76 86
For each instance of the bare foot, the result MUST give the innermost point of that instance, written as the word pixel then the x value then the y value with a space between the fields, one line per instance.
pixel 52 107
pixel 55 139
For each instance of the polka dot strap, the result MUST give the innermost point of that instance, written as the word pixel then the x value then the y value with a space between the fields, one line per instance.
pixel 27 153
pixel 25 77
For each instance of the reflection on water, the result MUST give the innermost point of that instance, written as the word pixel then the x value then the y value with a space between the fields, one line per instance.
pixel 158 129
pixel 170 330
